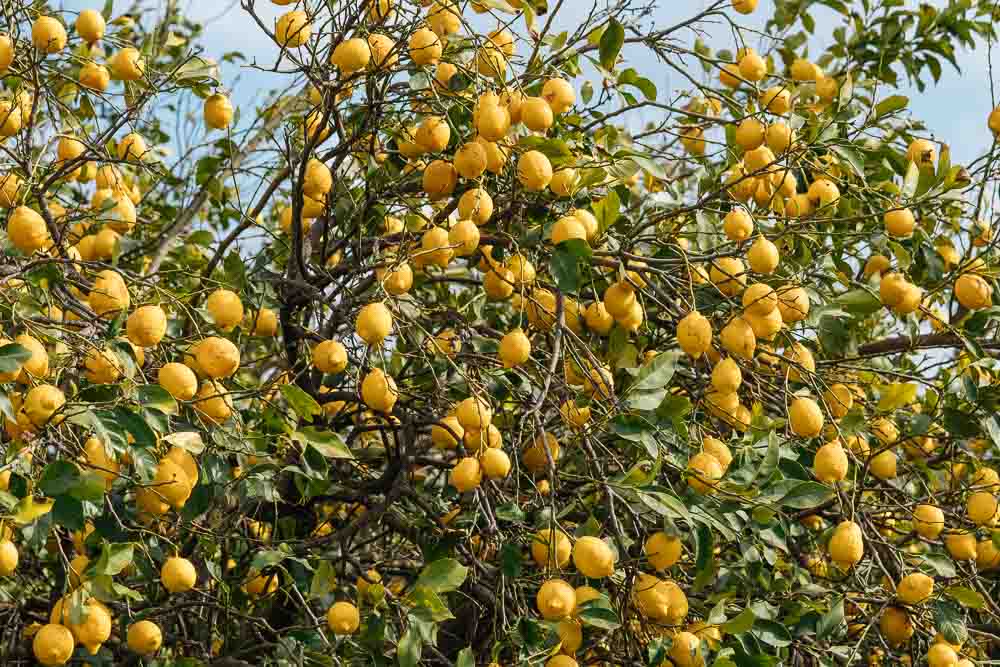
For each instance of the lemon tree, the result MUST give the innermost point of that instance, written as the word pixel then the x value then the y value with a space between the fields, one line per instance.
pixel 466 344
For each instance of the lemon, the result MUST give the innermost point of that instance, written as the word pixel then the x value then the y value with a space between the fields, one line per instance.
pixel 8 558
pixel 329 356
pixel 555 600
pixel 187 463
pixel 566 228
pixel 53 645
pixel 217 111
pixel 474 413
pixel 847 544
pixel 179 381
pixel 343 618
pixel 148 502
pixel 694 334
pixel 564 182
pixel 351 55
pixel 534 171
pixel 776 99
pixel 492 123
pixel 915 588
pixel 662 550
pixel 728 274
pixel 109 295
pixel 883 464
pixel 805 417
pixel 476 205
pixel 981 508
pixel 899 222
pixel 425 47
pixel 922 153
pixel 466 475
pixel 752 66
pixel 619 298
pixel 895 626
pixel 793 302
pixel 599 320
pixel 146 326
pixel 749 134
pixel 685 651
pixel 128 64
pixel 779 138
pixel 838 399
pixel 973 292
pixel 464 237
pixel 801 363
pixel 90 25
pixel 726 376
pixel 95 628
pixel 961 545
pixel 378 391
pixel 27 231
pixel 261 585
pixel 660 600
pixel 144 637
pixel 551 547
pixel 830 463
pixel 97 456
pixel 593 558
pixel 178 575
pixel 439 179
pixel 6 53
pixel 515 348
pixel 987 555
pixel 738 338
pixel 495 463
pixel 759 299
pixel 374 323
pixel 559 95
pixel 41 403
pixel 213 402
pixel 942 655
pixel 570 633
pixel 293 29
pixel 217 357
pixel 536 457
pixel 95 77
pixel 928 521
pixel 536 114
pixel 48 34
pixel 575 416
pixel 763 256
pixel 703 473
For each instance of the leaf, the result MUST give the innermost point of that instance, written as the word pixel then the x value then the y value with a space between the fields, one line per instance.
pixel 608 210
pixel 267 558
pixel 831 620
pixel 443 575
pixel 852 157
pixel 859 302
pixel 771 633
pixel 948 619
pixel 67 512
pixel 430 601
pixel 114 558
pixel 187 440
pixel 565 268
pixel 555 149
pixel 704 558
pixel 155 396
pixel 740 624
pixel 806 495
pixel 409 649
pixel 891 105
pixel 601 617
pixel 992 429
pixel 664 504
pixel 611 44
pixel 896 395
pixel 324 580
pixel 198 70
pixel 910 180
pixel 326 442
pixel 656 374
pixel 966 597
pixel 12 357
pixel 466 658
pixel 304 405
pixel 59 477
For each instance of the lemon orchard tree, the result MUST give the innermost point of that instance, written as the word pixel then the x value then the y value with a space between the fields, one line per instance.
pixel 470 346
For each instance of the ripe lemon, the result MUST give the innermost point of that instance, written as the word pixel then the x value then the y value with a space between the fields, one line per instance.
pixel 534 171
pixel 433 134
pixel 187 463
pixel 374 323
pixel 556 600
pixel 559 95
pixel 660 600
pixel 470 160
pixel 495 463
pixel 738 225
pixel 41 403
pixel 492 123
pixel 261 585
pixel 839 400
pixel 763 256
pixel 146 326
pixel 225 309
pixel 685 651
pixel 179 381
pixel 425 47
pixel 474 413
pixel 217 111
pixel 922 152
pixel 703 473
pixel 915 588
pixel 752 66
pixel 128 64
pixel 793 302
pixel 830 463
pixel 847 544
pixel 144 637
pixel 570 633
pixel 593 557
pixel 515 348
pixel 942 655
pixel 178 575
pixel 172 483
pixel 476 205
pixel 351 55
pixel 343 618
pixel 777 100
pixel 981 508
pixel 694 334
pixel 95 628
pixel 90 25
pixel 619 298
pixel 466 475
pixel 883 464
pixel 378 391
pixel 987 555
pixel 779 138
pixel 551 547
pixel 53 645
pixel 599 320
pixel 575 416
pixel 564 182
pixel 48 34
pixel 8 558
pixel 973 292
pixel 439 179
pixel 738 338
pixel 464 236
pixel 718 449
pixel 568 227
pixel 662 550
pixel 759 299
pixel 728 274
pixel 899 222
pixel 750 134
pixel 6 53
pixel 109 295
pixel 446 433
pixel 536 114
pixel 292 29
pixel 217 357
pixel 823 193
pixel 726 376
pixel 383 51
pixel 213 402
pixel 27 231
pixel 536 457
pixel 928 521
pixel 895 626
pixel 329 356
pixel 961 545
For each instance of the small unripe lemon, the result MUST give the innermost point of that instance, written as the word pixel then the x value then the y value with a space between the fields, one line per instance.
pixel 915 588
pixel 378 391
pixel 178 575
pixel 593 557
pixel 556 600
pixel 551 547
pixel 466 475
pixel 343 618
pixel 515 348
pixel 374 323
pixel 144 637
pixel 179 381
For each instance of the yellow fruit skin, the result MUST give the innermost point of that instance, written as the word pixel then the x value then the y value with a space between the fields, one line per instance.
pixel 178 575
pixel 593 558
pixel 847 544
pixel 556 600
pixel 915 588
pixel 551 546
pixel 663 550
pixel 144 637
pixel 53 645
pixel 343 618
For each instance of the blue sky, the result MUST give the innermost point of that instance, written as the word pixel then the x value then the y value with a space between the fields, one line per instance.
pixel 955 111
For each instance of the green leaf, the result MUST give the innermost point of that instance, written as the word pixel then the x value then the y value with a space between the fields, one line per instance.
pixel 90 487
pixel 771 633
pixel 607 211
pixel 852 157
pixel 831 620
pixel 409 649
pixel 423 598
pixel 326 442
pixel 656 374
pixel 859 302
pixel 565 267
pixel 949 621
pixel 304 405
pixel 611 44
pixel 323 581
pixel 891 105
pixel 443 575
pixel 806 495
pixel 267 558
pixel 556 150
pixel 910 181
pixel 966 597
pixel 67 512
pixel 704 558
pixel 12 357
pixel 187 440
pixel 59 477
pixel 739 624
pixel 601 617
pixel 466 658
pixel 114 558
pixel 155 396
